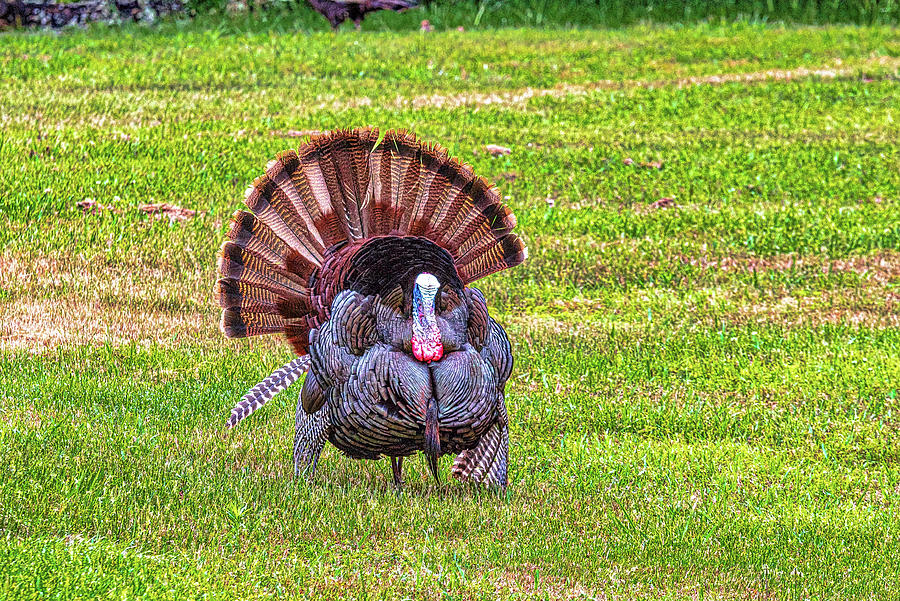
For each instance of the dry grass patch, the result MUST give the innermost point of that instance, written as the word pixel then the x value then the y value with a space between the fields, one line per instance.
pixel 724 290
pixel 881 268
pixel 517 98
pixel 869 306
pixel 837 307
pixel 57 301
pixel 134 283
pixel 42 325
pixel 871 299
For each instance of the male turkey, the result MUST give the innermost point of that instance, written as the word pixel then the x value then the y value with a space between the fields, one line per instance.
pixel 338 11
pixel 360 251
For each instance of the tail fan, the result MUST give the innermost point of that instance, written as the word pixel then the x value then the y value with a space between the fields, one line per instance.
pixel 263 392
pixel 344 208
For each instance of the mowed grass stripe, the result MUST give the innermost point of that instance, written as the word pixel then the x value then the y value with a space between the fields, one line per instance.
pixel 157 98
pixel 65 301
pixel 400 63
pixel 718 172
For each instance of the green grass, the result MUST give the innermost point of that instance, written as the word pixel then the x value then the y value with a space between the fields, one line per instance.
pixel 705 397
pixel 291 15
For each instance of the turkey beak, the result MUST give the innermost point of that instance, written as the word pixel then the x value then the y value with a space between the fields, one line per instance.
pixel 426 336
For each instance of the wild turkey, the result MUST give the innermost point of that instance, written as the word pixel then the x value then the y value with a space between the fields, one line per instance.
pixel 338 11
pixel 361 251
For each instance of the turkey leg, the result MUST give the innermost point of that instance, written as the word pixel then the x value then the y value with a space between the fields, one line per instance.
pixel 397 468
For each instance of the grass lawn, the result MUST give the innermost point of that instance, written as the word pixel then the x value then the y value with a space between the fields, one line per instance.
pixel 705 399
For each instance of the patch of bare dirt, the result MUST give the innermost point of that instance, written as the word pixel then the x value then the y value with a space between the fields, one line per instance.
pixel 666 202
pixel 646 164
pixel 91 206
pixel 164 210
pixel 297 133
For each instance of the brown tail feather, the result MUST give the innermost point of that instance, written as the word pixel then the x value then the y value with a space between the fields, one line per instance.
pixel 488 462
pixel 249 232
pixel 380 186
pixel 508 252
pixel 239 323
pixel 273 207
pixel 338 191
pixel 297 190
pixel 432 188
pixel 330 155
pixel 238 294
pixel 460 180
pixel 240 264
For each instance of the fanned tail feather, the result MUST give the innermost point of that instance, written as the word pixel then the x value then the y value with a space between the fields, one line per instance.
pixel 263 392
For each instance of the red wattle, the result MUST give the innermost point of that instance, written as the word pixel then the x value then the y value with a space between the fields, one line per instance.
pixel 427 350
